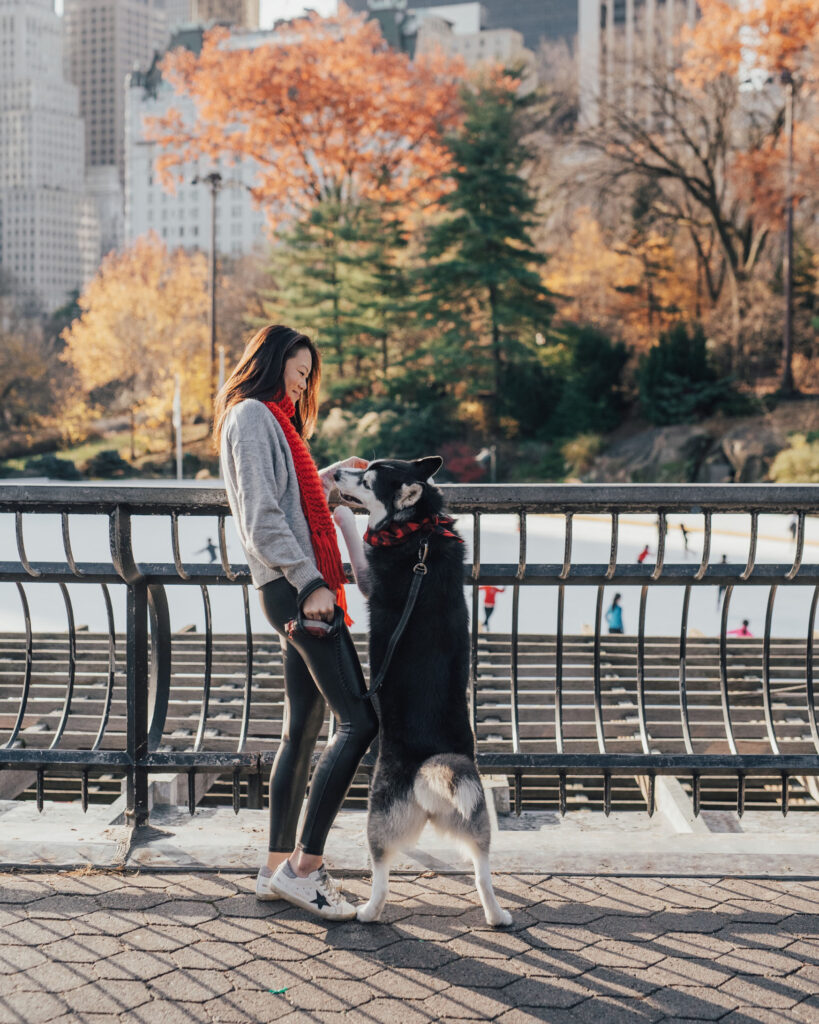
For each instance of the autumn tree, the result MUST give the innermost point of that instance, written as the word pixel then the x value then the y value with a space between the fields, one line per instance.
pixel 769 43
pixel 143 321
pixel 328 112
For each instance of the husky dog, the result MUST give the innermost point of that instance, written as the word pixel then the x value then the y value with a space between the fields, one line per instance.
pixel 426 768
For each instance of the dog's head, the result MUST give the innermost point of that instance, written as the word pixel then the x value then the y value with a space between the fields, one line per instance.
pixel 392 490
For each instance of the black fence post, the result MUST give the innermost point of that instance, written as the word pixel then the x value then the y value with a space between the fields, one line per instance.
pixel 136 811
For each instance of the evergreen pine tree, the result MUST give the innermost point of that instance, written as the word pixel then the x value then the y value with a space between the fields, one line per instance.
pixel 483 291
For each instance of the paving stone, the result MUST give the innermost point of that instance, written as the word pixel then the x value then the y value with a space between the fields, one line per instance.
pixel 215 955
pixel 566 913
pixel 806 925
pixel 370 937
pixel 133 964
pixel 611 953
pixel 628 928
pixel 618 983
pixel 806 1012
pixel 551 963
pixel 775 993
pixel 342 963
pixel 246 905
pixel 551 1014
pixel 191 913
pixel 406 983
pixel 417 953
pixel 700 921
pixel 334 995
pixel 204 887
pixel 607 1010
pixel 51 978
pixel 694 1001
pixel 557 936
pixel 35 932
pixel 382 1011
pixel 674 971
pixel 30 1008
pixel 160 937
pixel 19 958
pixel 757 1015
pixel 107 922
pixel 758 961
pixel 250 1005
pixel 63 906
pixel 165 1011
pixel 231 929
pixel 474 971
pixel 266 974
pixel 691 944
pixel 752 912
pixel 114 997
pixel 191 986
pixel 130 898
pixel 87 881
pixel 435 929
pixel 561 992
pixel 285 947
pixel 83 949
pixel 741 934
pixel 461 1002
pixel 689 894
pixel 21 890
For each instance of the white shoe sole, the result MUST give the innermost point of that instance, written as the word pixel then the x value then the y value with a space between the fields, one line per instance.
pixel 297 901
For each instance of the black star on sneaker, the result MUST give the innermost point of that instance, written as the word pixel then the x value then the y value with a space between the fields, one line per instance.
pixel 320 901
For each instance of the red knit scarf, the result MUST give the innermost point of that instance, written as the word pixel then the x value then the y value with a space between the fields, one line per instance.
pixel 314 504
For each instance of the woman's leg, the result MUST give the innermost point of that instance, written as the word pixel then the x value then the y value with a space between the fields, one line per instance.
pixel 303 717
pixel 335 669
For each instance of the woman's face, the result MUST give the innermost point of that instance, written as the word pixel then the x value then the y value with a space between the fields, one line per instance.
pixel 297 371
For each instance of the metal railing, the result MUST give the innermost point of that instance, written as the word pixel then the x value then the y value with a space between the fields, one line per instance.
pixel 148 633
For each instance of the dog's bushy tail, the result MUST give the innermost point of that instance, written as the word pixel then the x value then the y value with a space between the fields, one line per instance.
pixel 448 781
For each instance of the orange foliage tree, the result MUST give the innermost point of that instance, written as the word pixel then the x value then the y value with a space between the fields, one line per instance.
pixel 143 321
pixel 327 110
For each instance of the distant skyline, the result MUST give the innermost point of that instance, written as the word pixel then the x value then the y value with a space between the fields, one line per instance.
pixel 270 10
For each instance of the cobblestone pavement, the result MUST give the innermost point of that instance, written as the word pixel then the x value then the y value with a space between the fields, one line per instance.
pixel 184 948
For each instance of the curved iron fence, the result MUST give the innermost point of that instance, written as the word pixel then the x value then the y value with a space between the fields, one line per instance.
pixel 547 746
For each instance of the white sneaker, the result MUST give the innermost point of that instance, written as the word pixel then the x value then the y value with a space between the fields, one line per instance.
pixel 318 892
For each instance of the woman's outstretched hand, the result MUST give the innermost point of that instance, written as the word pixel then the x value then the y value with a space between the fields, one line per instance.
pixel 326 475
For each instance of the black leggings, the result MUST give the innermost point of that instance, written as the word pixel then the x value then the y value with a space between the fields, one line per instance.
pixel 316 670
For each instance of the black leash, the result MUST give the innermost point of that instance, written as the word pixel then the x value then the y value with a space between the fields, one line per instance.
pixel 419 572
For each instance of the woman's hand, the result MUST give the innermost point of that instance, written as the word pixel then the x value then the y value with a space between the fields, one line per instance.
pixel 321 604
pixel 326 475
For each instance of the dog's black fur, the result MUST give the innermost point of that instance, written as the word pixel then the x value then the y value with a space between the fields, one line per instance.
pixel 426 767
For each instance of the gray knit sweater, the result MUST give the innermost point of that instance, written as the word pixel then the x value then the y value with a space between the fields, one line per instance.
pixel 264 497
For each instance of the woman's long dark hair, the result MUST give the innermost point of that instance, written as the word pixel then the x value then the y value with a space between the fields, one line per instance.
pixel 260 374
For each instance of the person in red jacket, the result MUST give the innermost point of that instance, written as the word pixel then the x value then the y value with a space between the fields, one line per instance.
pixel 741 630
pixel 643 554
pixel 489 595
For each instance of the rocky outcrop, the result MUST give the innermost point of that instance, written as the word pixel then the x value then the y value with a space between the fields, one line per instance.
pixel 715 451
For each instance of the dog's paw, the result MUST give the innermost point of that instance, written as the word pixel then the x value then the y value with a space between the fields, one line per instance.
pixel 368 913
pixel 343 515
pixel 502 919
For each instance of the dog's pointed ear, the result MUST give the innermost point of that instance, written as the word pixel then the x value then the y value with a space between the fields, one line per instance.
pixel 408 496
pixel 428 467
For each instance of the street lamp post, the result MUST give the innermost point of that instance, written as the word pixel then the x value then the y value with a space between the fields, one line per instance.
pixel 214 183
pixel 786 384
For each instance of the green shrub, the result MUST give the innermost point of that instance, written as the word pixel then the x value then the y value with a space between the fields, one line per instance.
pixel 798 463
pixel 108 464
pixel 53 467
pixel 678 384
pixel 592 398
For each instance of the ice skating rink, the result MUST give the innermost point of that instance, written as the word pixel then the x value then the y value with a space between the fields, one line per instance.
pixel 499 543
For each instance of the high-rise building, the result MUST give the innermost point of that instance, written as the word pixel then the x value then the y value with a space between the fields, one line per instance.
pixel 104 41
pixel 49 234
pixel 534 19
pixel 618 37
pixel 237 13
pixel 183 219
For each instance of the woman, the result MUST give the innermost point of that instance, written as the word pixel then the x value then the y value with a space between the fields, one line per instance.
pixel 264 413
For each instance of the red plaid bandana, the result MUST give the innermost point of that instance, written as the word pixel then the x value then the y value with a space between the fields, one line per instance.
pixel 397 533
